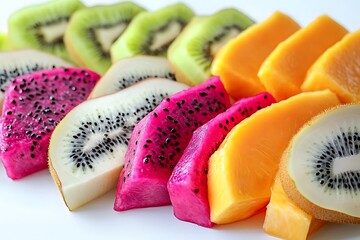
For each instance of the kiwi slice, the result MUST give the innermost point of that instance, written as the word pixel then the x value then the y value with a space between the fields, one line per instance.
pixel 192 53
pixel 151 33
pixel 320 171
pixel 129 71
pixel 92 31
pixel 43 27
pixel 87 147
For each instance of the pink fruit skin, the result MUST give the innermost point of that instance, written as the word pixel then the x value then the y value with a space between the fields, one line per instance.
pixel 148 164
pixel 60 89
pixel 187 185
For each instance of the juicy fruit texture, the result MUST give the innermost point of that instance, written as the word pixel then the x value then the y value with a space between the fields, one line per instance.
pixel 192 53
pixel 283 72
pixel 338 70
pixel 22 62
pixel 243 169
pixel 88 146
pixel 282 215
pixel 129 71
pixel 33 105
pixel 239 61
pixel 159 140
pixel 42 27
pixel 187 185
pixel 92 31
pixel 151 33
pixel 320 170
pixel 4 45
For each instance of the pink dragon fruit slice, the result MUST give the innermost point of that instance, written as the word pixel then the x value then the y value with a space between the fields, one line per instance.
pixel 187 185
pixel 159 140
pixel 33 105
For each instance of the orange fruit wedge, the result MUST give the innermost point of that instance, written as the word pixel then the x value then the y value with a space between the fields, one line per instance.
pixel 282 215
pixel 338 70
pixel 239 61
pixel 283 72
pixel 242 170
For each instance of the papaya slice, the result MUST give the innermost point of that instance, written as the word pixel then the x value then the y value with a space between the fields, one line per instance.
pixel 282 215
pixel 338 70
pixel 283 72
pixel 239 61
pixel 242 170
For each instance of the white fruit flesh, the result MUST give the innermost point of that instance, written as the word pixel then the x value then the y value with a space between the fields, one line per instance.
pixel 167 36
pixel 107 36
pixel 128 68
pixel 310 142
pixel 80 185
pixel 54 32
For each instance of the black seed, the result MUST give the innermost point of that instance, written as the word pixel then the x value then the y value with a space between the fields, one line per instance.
pixel 196 190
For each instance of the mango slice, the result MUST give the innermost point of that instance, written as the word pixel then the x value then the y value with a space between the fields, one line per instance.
pixel 282 215
pixel 283 72
pixel 239 61
pixel 338 70
pixel 242 170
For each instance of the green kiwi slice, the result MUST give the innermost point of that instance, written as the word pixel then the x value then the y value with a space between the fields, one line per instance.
pixel 192 53
pixel 92 31
pixel 152 33
pixel 42 27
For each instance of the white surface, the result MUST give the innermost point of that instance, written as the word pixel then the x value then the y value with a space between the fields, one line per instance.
pixel 31 208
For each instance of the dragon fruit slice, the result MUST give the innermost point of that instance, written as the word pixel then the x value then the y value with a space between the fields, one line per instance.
pixel 33 105
pixel 187 185
pixel 159 140
pixel 25 61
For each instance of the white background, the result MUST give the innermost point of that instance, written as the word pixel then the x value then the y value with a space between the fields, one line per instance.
pixel 32 208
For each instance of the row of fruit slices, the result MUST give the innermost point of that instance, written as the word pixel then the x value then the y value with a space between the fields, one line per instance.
pixel 260 146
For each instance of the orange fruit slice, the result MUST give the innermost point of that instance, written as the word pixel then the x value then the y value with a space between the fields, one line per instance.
pixel 239 61
pixel 282 215
pixel 338 70
pixel 283 72
pixel 242 170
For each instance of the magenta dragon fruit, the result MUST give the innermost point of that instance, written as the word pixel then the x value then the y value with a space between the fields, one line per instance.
pixel 33 105
pixel 187 185
pixel 159 140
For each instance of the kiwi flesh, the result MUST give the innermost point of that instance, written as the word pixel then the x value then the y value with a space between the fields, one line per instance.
pixel 43 27
pixel 192 53
pixel 151 33
pixel 320 171
pixel 4 45
pixel 129 71
pixel 88 146
pixel 21 62
pixel 92 31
